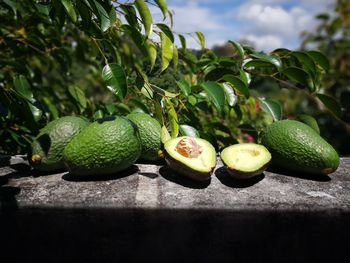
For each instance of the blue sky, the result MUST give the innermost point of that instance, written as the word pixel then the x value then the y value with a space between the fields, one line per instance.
pixel 267 23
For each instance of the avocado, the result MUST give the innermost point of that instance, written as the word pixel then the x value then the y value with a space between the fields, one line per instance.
pixel 105 147
pixel 245 160
pixel 191 157
pixel 309 120
pixel 297 147
pixel 47 148
pixel 149 129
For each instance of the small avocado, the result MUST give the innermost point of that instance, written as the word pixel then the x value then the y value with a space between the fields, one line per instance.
pixel 297 147
pixel 245 160
pixel 309 120
pixel 149 129
pixel 47 148
pixel 105 147
pixel 190 156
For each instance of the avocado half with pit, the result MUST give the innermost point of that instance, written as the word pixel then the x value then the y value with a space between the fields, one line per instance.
pixel 245 160
pixel 190 156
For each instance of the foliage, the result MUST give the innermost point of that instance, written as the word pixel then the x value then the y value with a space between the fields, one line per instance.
pixel 101 57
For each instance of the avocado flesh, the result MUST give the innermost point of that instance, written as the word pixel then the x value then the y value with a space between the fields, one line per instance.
pixel 199 167
pixel 105 147
pixel 47 148
pixel 297 147
pixel 245 160
pixel 149 129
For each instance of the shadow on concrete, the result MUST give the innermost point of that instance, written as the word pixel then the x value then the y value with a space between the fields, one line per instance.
pixel 300 175
pixel 98 177
pixel 174 177
pixel 224 177
pixel 149 175
pixel 5 160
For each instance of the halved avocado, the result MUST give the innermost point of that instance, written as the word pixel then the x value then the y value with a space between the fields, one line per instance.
pixel 245 160
pixel 190 156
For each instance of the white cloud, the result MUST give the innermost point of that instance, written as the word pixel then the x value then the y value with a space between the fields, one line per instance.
pixel 266 42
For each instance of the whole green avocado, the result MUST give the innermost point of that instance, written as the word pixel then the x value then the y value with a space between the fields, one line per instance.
pixel 296 146
pixel 149 129
pixel 47 148
pixel 105 147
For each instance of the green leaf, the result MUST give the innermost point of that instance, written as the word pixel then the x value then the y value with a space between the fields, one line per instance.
pixel 271 107
pixel 258 63
pixel 274 60
pixel 245 77
pixel 98 115
pixel 84 12
pixel 306 60
pixel 13 4
pixel 163 92
pixel 300 76
pixel 183 42
pixel 238 47
pixel 217 73
pixel 184 87
pixel 164 134
pixel 201 39
pixel 23 88
pixel 187 130
pixel 79 97
pixel 163 7
pixel 166 30
pixel 138 104
pixel 114 77
pixel 331 104
pixel 230 95
pixel 238 84
pixel 136 37
pixel 167 50
pixel 52 108
pixel 175 57
pixel 145 14
pixel 68 5
pixel 216 94
pixel 130 16
pixel 105 22
pixel 173 119
pixel 151 52
pixel 309 120
pixel 319 59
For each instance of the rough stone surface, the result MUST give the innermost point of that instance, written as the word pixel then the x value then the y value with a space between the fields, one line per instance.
pixel 157 187
pixel 150 214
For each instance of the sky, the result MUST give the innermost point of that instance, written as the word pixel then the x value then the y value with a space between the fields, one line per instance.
pixel 269 24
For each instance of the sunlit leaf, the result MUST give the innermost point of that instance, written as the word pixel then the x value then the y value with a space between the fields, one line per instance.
pixel 201 39
pixel 151 52
pixel 184 87
pixel 163 7
pixel 167 50
pixel 145 14
pixel 274 60
pixel 114 77
pixel 271 107
pixel 238 47
pixel 68 5
pixel 238 84
pixel 306 60
pixel 164 134
pixel 166 30
pixel 173 119
pixel 183 42
pixel 230 95
pixel 187 130
pixel 105 22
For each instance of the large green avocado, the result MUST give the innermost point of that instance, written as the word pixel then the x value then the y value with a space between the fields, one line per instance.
pixel 296 146
pixel 149 129
pixel 105 147
pixel 47 148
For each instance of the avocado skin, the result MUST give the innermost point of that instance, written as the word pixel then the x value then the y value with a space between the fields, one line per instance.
pixel 297 147
pixel 51 141
pixel 309 120
pixel 105 147
pixel 182 169
pixel 149 129
pixel 245 175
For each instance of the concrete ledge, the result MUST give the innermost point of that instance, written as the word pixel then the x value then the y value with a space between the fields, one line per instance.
pixel 148 213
